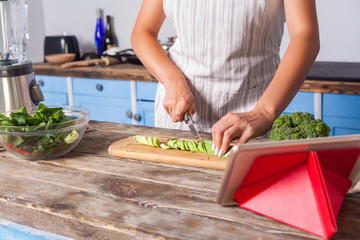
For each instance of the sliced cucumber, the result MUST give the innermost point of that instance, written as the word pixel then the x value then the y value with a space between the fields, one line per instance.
pixel 151 141
pixel 202 147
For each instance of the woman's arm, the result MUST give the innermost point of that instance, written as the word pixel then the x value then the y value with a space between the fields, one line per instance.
pixel 179 98
pixel 303 48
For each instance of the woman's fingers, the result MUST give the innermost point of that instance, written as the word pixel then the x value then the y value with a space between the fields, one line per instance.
pixel 239 129
pixel 191 109
pixel 229 135
pixel 224 131
pixel 237 125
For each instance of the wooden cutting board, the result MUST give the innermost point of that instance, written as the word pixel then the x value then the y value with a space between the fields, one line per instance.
pixel 128 148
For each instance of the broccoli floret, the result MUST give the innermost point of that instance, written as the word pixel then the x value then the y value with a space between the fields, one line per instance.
pixel 298 125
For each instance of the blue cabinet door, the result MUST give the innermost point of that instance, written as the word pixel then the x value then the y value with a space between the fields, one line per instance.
pixel 146 112
pixel 102 88
pixel 145 102
pixel 302 102
pixel 105 109
pixel 342 113
pixel 54 90
pixel 146 91
pixel 107 100
pixel 342 126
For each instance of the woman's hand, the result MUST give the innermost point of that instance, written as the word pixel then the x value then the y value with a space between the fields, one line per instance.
pixel 178 100
pixel 239 125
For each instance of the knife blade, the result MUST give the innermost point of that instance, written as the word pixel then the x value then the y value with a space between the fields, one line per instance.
pixel 191 126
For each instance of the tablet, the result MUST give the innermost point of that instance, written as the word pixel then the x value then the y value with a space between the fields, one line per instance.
pixel 243 156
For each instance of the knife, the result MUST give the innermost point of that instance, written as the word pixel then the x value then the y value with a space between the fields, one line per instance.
pixel 190 124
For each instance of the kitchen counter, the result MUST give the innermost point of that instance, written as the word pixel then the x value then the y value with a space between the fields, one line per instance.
pixel 324 77
pixel 113 72
pixel 88 194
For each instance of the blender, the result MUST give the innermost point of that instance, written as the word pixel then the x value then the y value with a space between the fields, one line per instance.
pixel 18 86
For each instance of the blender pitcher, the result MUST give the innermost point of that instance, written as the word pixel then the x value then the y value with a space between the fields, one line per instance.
pixel 18 86
pixel 14 31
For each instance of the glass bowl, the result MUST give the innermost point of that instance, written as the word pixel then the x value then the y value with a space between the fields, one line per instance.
pixel 36 142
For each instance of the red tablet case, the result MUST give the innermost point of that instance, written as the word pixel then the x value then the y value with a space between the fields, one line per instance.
pixel 302 189
pixel 301 183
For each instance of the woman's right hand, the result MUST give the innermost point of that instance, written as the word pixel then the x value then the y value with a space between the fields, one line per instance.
pixel 178 100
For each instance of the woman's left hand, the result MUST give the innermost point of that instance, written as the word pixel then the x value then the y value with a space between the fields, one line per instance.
pixel 239 125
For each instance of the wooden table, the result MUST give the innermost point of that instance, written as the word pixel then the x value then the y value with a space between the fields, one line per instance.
pixel 88 194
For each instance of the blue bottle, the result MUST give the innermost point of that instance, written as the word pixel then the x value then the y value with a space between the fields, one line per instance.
pixel 99 32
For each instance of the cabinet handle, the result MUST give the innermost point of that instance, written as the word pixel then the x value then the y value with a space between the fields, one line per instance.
pixel 137 117
pixel 41 83
pixel 99 87
pixel 129 114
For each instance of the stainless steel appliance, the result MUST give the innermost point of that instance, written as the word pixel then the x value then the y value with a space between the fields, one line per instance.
pixel 18 86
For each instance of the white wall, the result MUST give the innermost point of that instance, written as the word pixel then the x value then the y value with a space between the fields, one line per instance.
pixel 36 30
pixel 339 25
pixel 78 17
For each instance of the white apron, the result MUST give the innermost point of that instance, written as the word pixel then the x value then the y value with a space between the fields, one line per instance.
pixel 228 51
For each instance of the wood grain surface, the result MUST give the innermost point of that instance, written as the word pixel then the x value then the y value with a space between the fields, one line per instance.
pixel 124 71
pixel 89 194
pixel 128 148
pixel 336 87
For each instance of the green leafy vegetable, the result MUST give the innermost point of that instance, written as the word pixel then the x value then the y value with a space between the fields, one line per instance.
pixel 72 137
pixel 44 143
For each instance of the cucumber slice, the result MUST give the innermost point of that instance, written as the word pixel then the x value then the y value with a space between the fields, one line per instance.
pixel 186 145
pixel 164 146
pixel 201 147
pixel 195 147
pixel 208 147
pixel 174 144
pixel 156 142
pixel 149 141
pixel 142 140
pixel 192 146
pixel 181 145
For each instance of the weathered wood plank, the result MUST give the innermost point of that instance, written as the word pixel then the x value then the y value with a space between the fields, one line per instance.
pixel 113 72
pixel 38 180
pixel 191 178
pixel 337 87
pixel 130 214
